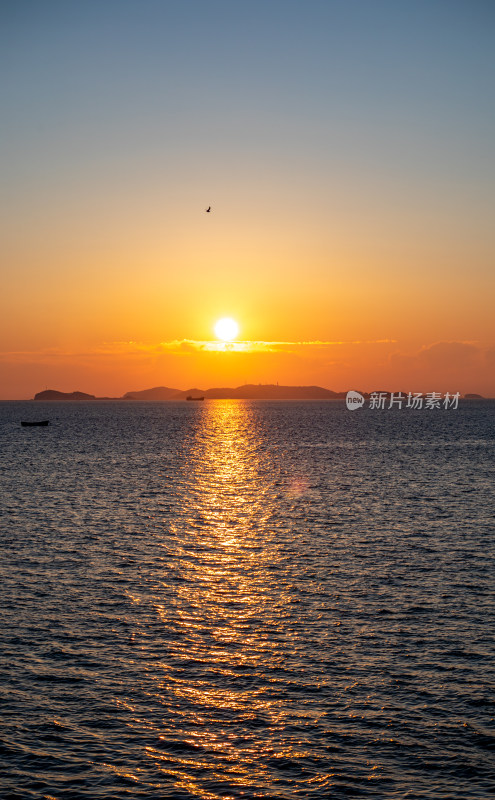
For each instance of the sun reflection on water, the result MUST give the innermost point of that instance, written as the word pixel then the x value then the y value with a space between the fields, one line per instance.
pixel 223 602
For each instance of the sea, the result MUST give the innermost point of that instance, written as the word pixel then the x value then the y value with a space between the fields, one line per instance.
pixel 246 599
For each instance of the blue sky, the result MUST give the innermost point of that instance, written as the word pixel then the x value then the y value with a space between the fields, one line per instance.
pixel 386 85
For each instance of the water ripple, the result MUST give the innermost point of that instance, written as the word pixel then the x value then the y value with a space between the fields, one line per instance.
pixel 240 600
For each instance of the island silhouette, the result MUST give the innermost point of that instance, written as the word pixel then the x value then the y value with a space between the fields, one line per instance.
pixel 249 391
pixel 165 394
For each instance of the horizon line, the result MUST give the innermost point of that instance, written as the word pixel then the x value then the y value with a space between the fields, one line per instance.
pixel 176 393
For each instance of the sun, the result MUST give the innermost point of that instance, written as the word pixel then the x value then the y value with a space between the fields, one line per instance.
pixel 226 329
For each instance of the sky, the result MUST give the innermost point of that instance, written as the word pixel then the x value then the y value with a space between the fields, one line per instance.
pixel 346 149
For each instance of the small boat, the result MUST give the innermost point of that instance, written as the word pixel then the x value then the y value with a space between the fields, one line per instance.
pixel 41 424
pixel 194 398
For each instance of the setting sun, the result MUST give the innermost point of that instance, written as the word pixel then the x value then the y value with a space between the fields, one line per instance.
pixel 226 329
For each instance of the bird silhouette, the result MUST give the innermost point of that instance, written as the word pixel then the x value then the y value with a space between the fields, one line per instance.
pixel 208 209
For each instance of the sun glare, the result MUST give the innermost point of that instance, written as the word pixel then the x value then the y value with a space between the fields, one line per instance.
pixel 226 329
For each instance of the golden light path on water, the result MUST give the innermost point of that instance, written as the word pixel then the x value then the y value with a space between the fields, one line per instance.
pixel 227 659
pixel 227 556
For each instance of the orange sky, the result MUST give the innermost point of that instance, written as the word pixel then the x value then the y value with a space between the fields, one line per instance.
pixel 351 182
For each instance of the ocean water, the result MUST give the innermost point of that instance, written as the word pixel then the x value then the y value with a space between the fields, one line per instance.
pixel 246 600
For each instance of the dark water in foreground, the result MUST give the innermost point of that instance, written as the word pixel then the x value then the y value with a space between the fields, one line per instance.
pixel 242 599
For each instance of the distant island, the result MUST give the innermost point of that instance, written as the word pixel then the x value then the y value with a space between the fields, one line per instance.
pixel 160 394
pixel 166 394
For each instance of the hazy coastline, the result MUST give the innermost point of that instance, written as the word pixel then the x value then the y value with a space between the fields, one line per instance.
pixel 245 392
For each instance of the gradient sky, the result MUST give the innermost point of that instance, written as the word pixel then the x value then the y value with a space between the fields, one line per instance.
pixel 346 148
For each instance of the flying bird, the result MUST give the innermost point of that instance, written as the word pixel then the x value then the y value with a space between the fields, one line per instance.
pixel 208 209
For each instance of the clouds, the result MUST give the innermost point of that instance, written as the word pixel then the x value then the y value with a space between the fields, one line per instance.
pixel 458 366
pixel 312 348
pixel 445 356
pixel 110 368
